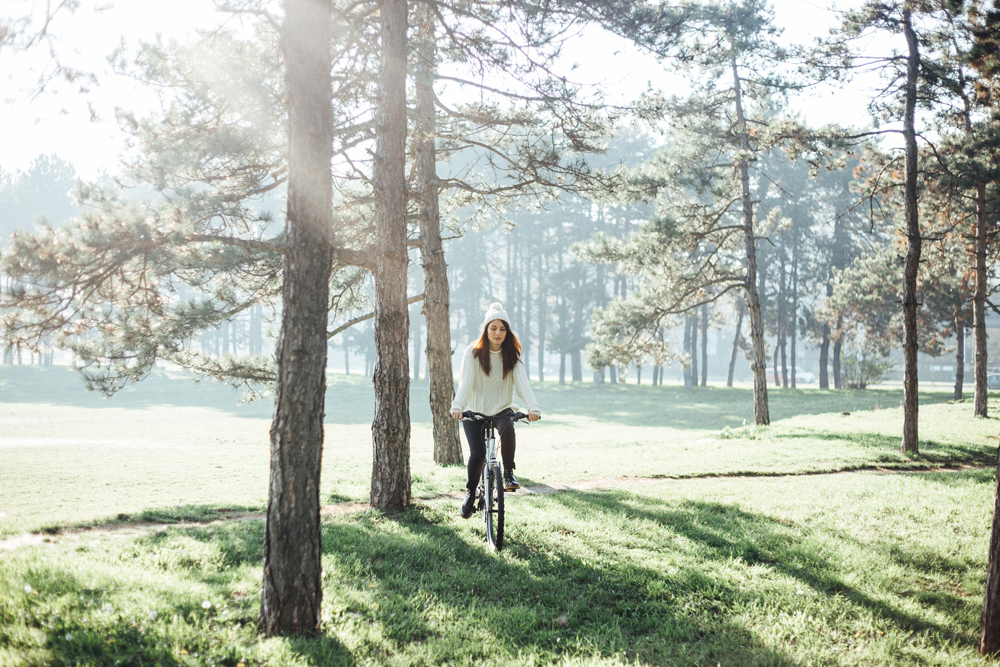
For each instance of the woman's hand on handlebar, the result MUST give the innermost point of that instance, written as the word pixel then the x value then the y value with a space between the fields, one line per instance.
pixel 456 414
pixel 534 416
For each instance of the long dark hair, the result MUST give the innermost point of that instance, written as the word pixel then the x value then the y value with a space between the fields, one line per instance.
pixel 510 349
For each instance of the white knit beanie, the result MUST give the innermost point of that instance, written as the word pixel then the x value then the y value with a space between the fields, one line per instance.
pixel 496 312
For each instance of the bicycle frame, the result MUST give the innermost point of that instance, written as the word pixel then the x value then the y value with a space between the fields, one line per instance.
pixel 491 489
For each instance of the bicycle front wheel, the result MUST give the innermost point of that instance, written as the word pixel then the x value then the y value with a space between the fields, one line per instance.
pixel 493 507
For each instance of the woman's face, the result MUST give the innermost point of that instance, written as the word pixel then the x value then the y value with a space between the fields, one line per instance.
pixel 496 332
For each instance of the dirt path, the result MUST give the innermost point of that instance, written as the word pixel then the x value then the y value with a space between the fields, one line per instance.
pixel 124 531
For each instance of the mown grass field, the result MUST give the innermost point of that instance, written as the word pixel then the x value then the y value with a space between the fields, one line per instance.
pixel 715 549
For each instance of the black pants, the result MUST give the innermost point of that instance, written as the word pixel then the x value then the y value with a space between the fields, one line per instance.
pixel 474 433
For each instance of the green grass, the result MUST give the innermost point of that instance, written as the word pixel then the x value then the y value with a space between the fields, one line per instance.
pixel 857 569
pixel 74 458
pixel 721 551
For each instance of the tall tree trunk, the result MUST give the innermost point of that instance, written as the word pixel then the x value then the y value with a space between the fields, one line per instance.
pixel 979 304
pixel 526 300
pixel 390 487
pixel 782 323
pixel 292 594
pixel 758 365
pixel 989 627
pixel 704 345
pixel 838 346
pixel 437 297
pixel 911 265
pixel 824 358
pixel 736 345
pixel 795 306
pixel 688 374
pixel 416 350
pixel 693 322
pixel 959 356
pixel 775 371
pixel 576 356
pixel 542 315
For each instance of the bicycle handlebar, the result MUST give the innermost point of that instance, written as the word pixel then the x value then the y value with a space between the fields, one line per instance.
pixel 478 416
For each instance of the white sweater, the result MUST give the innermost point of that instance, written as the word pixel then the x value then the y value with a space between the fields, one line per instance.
pixel 493 393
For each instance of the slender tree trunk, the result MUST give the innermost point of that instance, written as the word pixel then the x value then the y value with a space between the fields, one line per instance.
pixel 979 305
pixel 292 594
pixel 824 358
pixel 911 265
pixel 693 322
pixel 736 345
pixel 782 323
pixel 437 297
pixel 688 374
pixel 542 315
pixel 704 345
pixel 795 306
pixel 576 356
pixel 758 365
pixel 390 487
pixel 989 627
pixel 774 370
pixel 838 346
pixel 562 368
pixel 347 361
pixel 416 350
pixel 959 357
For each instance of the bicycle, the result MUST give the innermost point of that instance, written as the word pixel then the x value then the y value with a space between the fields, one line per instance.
pixel 489 495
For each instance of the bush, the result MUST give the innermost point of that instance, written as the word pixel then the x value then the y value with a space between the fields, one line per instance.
pixel 862 365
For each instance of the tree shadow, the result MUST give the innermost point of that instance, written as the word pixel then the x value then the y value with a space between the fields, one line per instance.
pixel 525 601
pixel 726 533
pixel 931 452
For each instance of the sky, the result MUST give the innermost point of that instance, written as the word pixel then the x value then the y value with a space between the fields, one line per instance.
pixel 79 126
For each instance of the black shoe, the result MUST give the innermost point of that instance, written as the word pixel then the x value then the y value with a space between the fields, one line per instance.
pixel 509 481
pixel 470 500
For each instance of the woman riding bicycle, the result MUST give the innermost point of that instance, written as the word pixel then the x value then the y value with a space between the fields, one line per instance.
pixel 491 370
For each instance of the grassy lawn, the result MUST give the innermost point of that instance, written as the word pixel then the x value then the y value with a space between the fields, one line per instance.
pixel 715 549
pixel 853 569
pixel 179 449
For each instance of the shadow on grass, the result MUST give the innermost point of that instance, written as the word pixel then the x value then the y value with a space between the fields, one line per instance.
pixel 931 453
pixel 349 399
pixel 726 533
pixel 712 408
pixel 413 588
pixel 528 601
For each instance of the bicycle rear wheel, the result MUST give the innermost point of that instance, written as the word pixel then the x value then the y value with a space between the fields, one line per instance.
pixel 493 507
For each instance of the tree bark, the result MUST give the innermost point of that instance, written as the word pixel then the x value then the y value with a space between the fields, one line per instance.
pixel 758 365
pixel 437 298
pixel 543 300
pixel 688 375
pixel 292 593
pixel 838 346
pixel 795 306
pixel 736 345
pixel 704 345
pixel 390 488
pixel 959 357
pixel 979 305
pixel 693 323
pixel 989 627
pixel 912 261
pixel 782 323
pixel 824 358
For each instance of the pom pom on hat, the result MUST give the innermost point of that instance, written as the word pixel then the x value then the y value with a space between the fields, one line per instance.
pixel 496 312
